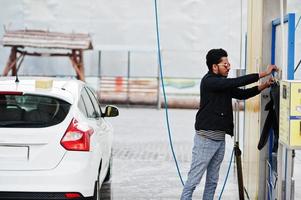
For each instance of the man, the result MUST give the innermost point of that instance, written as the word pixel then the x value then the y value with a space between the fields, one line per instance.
pixel 214 119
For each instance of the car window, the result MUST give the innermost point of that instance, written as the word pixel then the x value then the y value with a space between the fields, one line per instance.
pixel 94 101
pixel 91 113
pixel 82 107
pixel 24 111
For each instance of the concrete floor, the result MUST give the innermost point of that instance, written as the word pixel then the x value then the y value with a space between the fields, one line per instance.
pixel 143 167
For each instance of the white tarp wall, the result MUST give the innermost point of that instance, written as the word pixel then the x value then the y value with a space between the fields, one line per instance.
pixel 189 28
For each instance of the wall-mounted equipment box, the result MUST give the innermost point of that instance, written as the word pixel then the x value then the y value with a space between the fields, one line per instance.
pixel 290 114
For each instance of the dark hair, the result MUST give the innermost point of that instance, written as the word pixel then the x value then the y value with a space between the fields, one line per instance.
pixel 214 57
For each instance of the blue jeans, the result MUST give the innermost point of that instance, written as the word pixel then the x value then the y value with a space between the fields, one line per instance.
pixel 207 155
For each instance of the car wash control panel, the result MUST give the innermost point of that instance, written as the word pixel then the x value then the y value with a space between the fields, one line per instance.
pixel 290 113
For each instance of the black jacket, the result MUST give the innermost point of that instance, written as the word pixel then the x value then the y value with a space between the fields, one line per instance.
pixel 215 112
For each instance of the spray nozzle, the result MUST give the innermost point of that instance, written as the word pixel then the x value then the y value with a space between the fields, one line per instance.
pixel 275 76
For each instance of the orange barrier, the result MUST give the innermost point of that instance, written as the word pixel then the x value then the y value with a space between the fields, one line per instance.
pixel 118 84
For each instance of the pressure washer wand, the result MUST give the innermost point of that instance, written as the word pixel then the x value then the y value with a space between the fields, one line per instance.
pixel 239 171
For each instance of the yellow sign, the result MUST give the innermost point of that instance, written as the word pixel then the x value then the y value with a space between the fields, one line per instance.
pixel 43 84
pixel 290 114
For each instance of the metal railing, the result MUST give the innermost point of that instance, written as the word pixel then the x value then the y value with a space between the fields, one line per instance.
pixel 131 85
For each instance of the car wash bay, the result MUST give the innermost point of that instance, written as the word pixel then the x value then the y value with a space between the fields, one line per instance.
pixel 143 167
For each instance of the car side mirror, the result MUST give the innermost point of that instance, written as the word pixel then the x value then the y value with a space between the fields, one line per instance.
pixel 110 111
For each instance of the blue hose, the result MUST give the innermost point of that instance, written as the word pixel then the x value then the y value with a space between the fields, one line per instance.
pixel 164 93
pixel 166 106
pixel 226 179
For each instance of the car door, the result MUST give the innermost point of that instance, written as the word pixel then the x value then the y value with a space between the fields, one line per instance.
pixel 108 132
pixel 101 140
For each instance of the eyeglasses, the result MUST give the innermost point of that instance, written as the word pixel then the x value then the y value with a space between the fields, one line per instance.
pixel 226 65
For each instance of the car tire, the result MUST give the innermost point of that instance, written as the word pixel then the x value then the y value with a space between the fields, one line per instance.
pixel 105 191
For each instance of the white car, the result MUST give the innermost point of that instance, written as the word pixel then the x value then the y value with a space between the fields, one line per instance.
pixel 54 140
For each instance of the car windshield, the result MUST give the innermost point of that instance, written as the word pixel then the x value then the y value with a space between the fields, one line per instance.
pixel 25 111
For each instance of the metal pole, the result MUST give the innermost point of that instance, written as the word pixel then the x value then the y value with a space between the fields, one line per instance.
pixel 235 129
pixel 238 109
pixel 128 78
pixel 288 174
pixel 279 172
pixel 99 73
pixel 237 152
pixel 99 64
pixel 292 180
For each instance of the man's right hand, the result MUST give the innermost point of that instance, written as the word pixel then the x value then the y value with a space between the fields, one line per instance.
pixel 269 70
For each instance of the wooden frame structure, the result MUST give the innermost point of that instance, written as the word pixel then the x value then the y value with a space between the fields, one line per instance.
pixel 72 43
